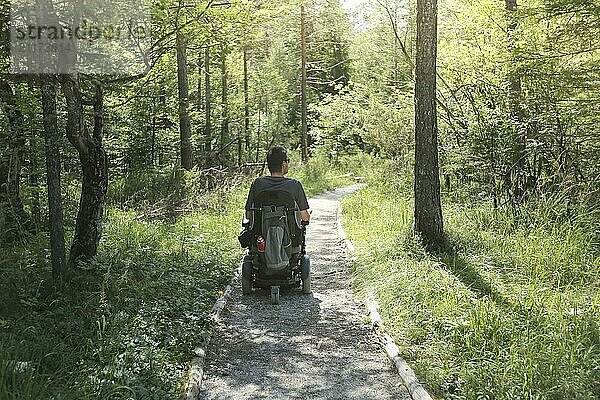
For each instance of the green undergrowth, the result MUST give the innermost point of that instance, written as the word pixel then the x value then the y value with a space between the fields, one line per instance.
pixel 125 326
pixel 509 311
pixel 322 173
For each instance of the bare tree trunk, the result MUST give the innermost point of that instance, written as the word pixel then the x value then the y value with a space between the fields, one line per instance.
pixel 153 142
pixel 185 128
pixel 303 84
pixel 200 98
pixel 516 178
pixel 11 160
pixel 258 130
pixel 428 210
pixel 33 180
pixel 224 111
pixel 246 101
pixel 92 155
pixel 207 108
pixel 53 169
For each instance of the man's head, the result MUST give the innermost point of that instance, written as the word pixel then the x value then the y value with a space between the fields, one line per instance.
pixel 278 160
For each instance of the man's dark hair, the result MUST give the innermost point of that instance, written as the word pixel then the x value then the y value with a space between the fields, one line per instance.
pixel 275 157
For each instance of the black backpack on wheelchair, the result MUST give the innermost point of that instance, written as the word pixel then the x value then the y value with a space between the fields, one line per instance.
pixel 275 238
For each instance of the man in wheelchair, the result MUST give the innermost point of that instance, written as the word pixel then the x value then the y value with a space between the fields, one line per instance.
pixel 277 213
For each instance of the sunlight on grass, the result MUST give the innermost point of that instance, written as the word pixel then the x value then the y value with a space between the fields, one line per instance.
pixel 511 312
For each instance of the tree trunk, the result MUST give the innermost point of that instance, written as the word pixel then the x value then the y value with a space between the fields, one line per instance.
pixel 258 130
pixel 516 178
pixel 33 178
pixel 200 99
pixel 12 153
pixel 153 142
pixel 185 128
pixel 428 210
pixel 246 101
pixel 207 109
pixel 224 111
pixel 92 155
pixel 53 169
pixel 303 84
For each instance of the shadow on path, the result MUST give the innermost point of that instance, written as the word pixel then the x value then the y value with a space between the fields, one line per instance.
pixel 316 346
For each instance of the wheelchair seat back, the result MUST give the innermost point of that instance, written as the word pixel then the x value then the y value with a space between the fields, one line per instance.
pixel 272 203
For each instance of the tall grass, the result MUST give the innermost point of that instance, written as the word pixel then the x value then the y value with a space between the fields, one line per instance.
pixel 321 172
pixel 511 311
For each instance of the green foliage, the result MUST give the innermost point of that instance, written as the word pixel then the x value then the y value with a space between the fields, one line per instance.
pixel 360 119
pixel 317 175
pixel 553 58
pixel 486 142
pixel 508 312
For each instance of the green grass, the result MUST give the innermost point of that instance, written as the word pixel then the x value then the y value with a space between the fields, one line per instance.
pixel 126 325
pixel 511 312
pixel 320 173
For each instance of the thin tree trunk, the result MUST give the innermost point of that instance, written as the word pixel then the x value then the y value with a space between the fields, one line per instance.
pixel 33 179
pixel 516 179
pixel 92 155
pixel 153 145
pixel 11 161
pixel 53 170
pixel 258 131
pixel 224 111
pixel 428 211
pixel 185 128
pixel 303 84
pixel 207 108
pixel 246 101
pixel 200 98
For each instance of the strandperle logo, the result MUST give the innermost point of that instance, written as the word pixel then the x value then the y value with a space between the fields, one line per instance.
pixel 86 31
pixel 101 37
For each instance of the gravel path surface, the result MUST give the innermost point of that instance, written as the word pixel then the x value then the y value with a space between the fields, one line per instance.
pixel 316 346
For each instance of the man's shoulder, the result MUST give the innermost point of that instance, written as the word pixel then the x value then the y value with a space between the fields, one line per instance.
pixel 262 180
pixel 281 181
pixel 297 184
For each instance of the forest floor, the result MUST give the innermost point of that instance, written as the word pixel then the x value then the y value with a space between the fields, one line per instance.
pixel 316 346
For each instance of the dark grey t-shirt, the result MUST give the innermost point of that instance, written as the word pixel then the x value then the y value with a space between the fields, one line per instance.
pixel 290 185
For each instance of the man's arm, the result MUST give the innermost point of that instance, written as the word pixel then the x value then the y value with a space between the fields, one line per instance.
pixel 250 201
pixel 305 210
pixel 305 215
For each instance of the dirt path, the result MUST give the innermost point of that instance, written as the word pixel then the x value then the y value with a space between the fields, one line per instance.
pixel 310 346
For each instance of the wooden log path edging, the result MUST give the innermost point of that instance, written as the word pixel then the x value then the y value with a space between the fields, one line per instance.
pixel 409 379
pixel 196 371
